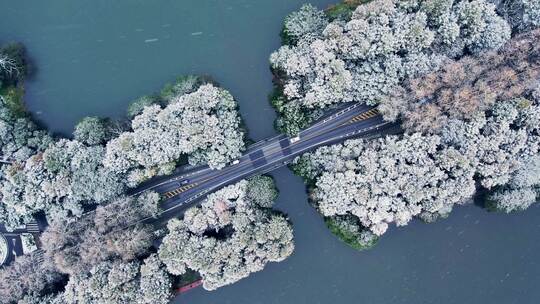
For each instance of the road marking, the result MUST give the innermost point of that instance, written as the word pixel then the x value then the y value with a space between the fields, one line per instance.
pixel 177 191
pixel 366 115
pixel 32 227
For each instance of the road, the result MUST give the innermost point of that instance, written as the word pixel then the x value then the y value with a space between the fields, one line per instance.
pixel 14 241
pixel 188 186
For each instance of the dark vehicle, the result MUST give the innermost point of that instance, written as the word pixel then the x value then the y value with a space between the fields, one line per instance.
pixel 183 182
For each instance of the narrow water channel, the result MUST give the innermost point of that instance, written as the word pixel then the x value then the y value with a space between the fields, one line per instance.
pixel 94 57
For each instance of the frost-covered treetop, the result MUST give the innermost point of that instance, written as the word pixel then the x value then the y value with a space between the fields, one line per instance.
pixel 394 179
pixel 204 125
pixel 19 136
pixel 61 179
pixel 305 23
pixel 59 176
pixel 228 237
pixel 384 42
pixel 120 282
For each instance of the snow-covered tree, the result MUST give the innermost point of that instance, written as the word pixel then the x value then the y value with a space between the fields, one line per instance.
pixel 512 199
pixel 384 42
pixel 27 277
pixel 293 117
pixel 155 283
pixel 117 282
pixel 460 89
pixel 107 282
pixel 262 191
pixel 19 137
pixel 75 245
pixel 521 192
pixel 500 140
pixel 480 27
pixel 350 231
pixel 137 106
pixel 92 131
pixel 67 175
pixel 42 299
pixel 228 237
pixel 303 24
pixel 394 179
pixel 521 14
pixel 183 85
pixel 203 125
pixel 19 140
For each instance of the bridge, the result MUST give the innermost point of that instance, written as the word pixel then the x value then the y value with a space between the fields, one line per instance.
pixel 189 185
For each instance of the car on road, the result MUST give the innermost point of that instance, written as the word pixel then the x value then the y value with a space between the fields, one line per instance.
pixel 236 162
pixel 294 139
pixel 186 181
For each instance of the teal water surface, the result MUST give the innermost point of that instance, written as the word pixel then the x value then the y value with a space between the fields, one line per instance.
pixel 94 57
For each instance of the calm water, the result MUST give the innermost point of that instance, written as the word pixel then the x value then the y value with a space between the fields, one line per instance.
pixel 96 56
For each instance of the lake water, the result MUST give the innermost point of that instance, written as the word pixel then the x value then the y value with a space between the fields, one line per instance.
pixel 94 57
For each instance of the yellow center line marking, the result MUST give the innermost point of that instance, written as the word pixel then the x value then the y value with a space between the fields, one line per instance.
pixel 177 191
pixel 369 114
